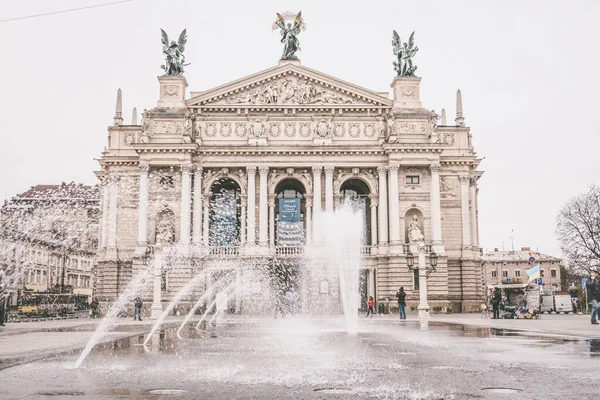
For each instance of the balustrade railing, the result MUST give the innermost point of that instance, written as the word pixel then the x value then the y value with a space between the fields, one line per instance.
pixel 289 250
pixel 224 251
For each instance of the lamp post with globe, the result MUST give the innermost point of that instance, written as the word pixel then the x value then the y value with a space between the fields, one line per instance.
pixel 424 272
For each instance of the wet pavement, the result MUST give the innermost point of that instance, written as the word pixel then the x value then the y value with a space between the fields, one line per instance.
pixel 305 359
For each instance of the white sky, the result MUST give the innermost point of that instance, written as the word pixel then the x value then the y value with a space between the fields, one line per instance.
pixel 528 71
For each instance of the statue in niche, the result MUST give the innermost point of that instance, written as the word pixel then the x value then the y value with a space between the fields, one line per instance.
pixel 414 230
pixel 405 52
pixel 165 228
pixel 173 51
pixel 289 33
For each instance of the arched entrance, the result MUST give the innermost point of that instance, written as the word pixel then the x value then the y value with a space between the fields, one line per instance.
pixel 290 228
pixel 290 232
pixel 356 193
pixel 225 218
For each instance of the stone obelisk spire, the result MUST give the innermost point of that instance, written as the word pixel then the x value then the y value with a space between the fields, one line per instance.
pixel 460 119
pixel 134 116
pixel 118 120
pixel 443 122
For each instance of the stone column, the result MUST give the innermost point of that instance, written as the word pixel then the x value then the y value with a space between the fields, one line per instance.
pixel 272 223
pixel 251 213
pixel 142 240
pixel 383 218
pixel 317 208
pixel 243 221
pixel 329 188
pixel 308 221
pixel 112 213
pixel 473 214
pixel 436 208
pixel 156 308
pixel 206 221
pixel 105 211
pixel 464 204
pixel 197 211
pixel 263 205
pixel 373 222
pixel 394 206
pixel 370 283
pixel 186 204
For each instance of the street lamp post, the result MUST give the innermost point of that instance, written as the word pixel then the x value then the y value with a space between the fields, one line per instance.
pixel 424 272
pixel 156 308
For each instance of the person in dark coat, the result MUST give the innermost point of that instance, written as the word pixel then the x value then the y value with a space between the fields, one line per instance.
pixel 593 293
pixel 137 308
pixel 2 307
pixel 496 299
pixel 401 296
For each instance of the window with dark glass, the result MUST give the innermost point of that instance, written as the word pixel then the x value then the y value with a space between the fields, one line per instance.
pixel 412 179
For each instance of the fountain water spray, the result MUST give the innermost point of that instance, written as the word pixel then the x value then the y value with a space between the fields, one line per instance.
pixel 211 306
pixel 198 302
pixel 338 247
pixel 136 284
pixel 175 300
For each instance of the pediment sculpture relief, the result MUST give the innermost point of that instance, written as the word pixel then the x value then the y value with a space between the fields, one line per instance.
pixel 289 91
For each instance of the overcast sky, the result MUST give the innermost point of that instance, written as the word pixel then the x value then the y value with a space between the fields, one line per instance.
pixel 528 72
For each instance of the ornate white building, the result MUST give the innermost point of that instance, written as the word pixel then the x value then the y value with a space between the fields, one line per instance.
pixel 209 173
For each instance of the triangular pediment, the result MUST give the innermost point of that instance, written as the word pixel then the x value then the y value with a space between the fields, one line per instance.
pixel 289 84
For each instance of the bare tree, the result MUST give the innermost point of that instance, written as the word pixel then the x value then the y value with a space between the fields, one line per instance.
pixel 578 231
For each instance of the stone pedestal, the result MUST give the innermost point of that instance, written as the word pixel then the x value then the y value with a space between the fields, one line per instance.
pixel 172 92
pixel 406 93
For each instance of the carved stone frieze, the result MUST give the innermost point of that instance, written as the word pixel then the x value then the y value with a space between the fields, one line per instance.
pixel 410 127
pixel 275 129
pixel 225 129
pixel 339 129
pixel 240 129
pixel 446 138
pixel 288 90
pixel 305 129
pixel 354 130
pixel 369 130
pixel 448 187
pixel 290 129
pixel 164 127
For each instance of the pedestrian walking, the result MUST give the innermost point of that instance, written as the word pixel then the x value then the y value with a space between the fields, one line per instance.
pixel 95 307
pixel 2 307
pixel 401 296
pixel 137 308
pixel 371 305
pixel 593 293
pixel 496 299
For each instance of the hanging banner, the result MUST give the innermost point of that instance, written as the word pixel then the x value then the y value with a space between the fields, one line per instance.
pixel 289 210
pixel 289 227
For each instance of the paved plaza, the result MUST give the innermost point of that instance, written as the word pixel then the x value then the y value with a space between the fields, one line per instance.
pixel 454 357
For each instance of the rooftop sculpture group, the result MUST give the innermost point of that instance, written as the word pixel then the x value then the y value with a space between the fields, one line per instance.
pixel 175 60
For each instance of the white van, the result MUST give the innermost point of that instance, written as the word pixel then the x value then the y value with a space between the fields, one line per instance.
pixel 562 302
pixel 547 303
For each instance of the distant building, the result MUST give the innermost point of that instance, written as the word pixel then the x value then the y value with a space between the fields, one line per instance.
pixel 49 238
pixel 504 267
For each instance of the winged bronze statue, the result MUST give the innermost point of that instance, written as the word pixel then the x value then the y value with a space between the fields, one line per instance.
pixel 289 35
pixel 173 51
pixel 404 52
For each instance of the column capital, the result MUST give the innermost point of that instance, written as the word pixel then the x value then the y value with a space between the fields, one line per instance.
pixel 382 169
pixel 197 168
pixel 393 168
pixel 374 203
pixel 464 179
pixel 144 167
pixel 329 170
pixel 473 181
pixel 434 167
pixel 114 178
pixel 251 169
pixel 317 169
pixel 308 203
pixel 272 203
pixel 186 168
pixel 263 170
